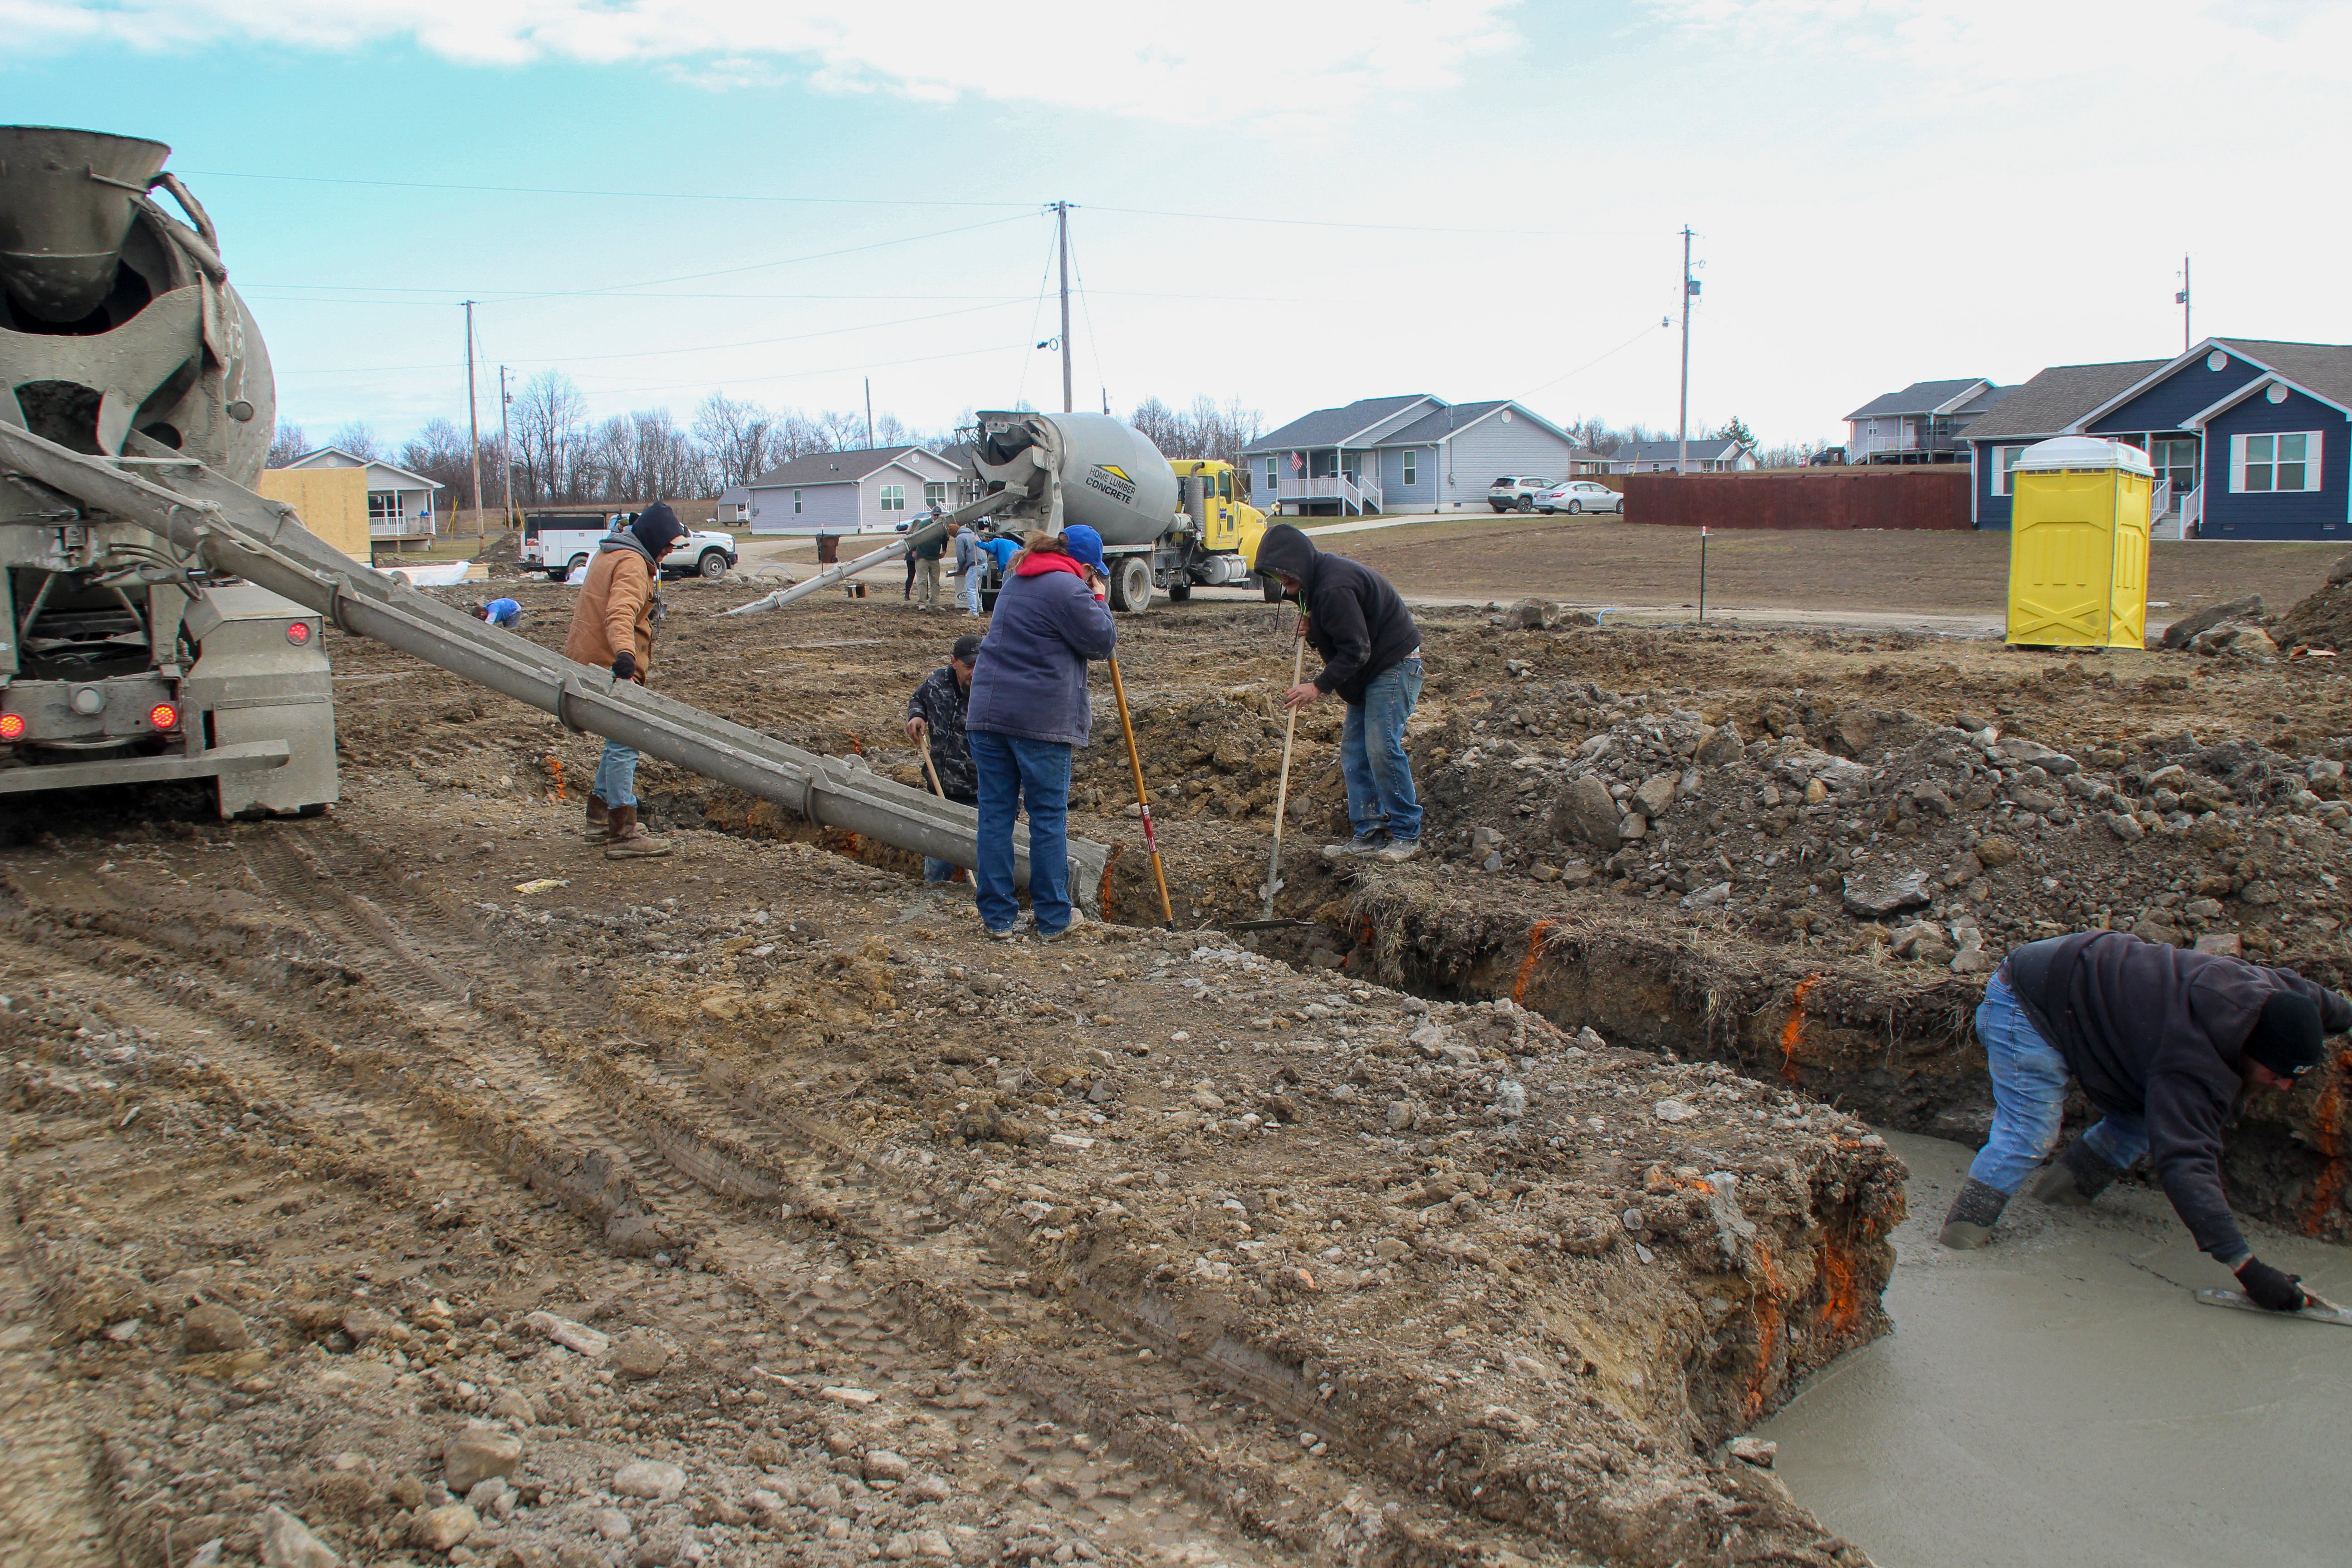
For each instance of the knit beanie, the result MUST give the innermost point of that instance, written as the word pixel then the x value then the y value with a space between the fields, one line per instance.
pixel 2286 1035
pixel 655 527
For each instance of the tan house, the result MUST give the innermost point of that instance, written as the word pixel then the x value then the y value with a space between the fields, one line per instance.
pixel 400 505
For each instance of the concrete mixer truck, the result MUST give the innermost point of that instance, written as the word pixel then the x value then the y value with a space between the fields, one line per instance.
pixel 121 660
pixel 1166 527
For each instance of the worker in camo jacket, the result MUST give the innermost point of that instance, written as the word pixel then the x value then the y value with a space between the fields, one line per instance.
pixel 935 716
pixel 2166 1043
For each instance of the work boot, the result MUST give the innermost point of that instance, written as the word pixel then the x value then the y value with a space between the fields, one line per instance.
pixel 1973 1215
pixel 631 842
pixel 1400 850
pixel 2076 1177
pixel 600 821
pixel 1361 847
pixel 1077 920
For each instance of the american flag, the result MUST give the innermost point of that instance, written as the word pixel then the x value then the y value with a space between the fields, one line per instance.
pixel 1297 462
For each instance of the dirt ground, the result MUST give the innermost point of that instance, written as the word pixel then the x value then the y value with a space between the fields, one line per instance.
pixel 755 1208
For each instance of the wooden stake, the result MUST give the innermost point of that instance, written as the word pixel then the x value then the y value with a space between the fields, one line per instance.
pixel 1143 799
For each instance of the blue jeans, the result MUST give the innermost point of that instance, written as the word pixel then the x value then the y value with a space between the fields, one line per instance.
pixel 1015 771
pixel 617 776
pixel 970 592
pixel 2028 1091
pixel 1371 755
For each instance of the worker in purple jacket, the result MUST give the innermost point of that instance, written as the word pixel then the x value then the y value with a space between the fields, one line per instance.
pixel 2165 1042
pixel 1028 708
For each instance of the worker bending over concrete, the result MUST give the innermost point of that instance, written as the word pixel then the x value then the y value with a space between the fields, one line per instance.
pixel 934 719
pixel 2165 1042
pixel 1029 708
pixel 1371 658
pixel 613 626
pixel 500 613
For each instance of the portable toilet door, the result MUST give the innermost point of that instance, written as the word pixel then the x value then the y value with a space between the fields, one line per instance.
pixel 2078 544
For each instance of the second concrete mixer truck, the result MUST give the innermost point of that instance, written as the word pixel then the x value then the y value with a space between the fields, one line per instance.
pixel 1166 527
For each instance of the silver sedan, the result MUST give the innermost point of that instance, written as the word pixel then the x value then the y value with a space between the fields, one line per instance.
pixel 1580 496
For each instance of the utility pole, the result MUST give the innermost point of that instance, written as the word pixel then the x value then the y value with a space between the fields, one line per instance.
pixel 869 413
pixel 1690 287
pixel 474 427
pixel 506 445
pixel 1061 217
pixel 2181 299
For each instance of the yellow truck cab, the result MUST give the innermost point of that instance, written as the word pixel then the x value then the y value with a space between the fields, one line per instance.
pixel 1224 549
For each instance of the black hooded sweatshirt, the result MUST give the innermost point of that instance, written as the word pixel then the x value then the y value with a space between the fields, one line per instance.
pixel 2156 1031
pixel 1354 619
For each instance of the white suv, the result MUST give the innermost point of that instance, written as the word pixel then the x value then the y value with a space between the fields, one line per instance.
pixel 1517 493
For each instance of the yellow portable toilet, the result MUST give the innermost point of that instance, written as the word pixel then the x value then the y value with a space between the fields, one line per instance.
pixel 2078 544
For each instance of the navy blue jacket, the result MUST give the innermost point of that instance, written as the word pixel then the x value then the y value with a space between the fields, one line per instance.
pixel 1031 678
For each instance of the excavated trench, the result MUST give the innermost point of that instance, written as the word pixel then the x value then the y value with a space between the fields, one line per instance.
pixel 1894 1046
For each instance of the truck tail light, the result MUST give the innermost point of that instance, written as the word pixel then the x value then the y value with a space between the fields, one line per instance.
pixel 164 716
pixel 12 726
pixel 299 632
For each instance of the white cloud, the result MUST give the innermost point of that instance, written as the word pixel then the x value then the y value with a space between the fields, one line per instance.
pixel 1263 64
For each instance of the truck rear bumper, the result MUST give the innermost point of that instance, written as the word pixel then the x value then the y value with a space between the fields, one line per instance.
pixel 250 757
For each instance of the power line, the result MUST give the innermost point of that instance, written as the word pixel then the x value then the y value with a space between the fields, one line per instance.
pixel 656 353
pixel 628 196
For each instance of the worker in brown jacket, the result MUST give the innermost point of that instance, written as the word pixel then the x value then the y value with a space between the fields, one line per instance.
pixel 613 627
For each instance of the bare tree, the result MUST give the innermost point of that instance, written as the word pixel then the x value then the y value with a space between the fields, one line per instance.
pixel 737 439
pixel 360 439
pixel 287 445
pixel 550 420
pixel 1207 430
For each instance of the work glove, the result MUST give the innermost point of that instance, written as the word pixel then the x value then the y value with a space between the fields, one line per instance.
pixel 2270 1288
pixel 625 667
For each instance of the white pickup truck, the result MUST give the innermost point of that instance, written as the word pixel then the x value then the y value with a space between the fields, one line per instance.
pixel 557 544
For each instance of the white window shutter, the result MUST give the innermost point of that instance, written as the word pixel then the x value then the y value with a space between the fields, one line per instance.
pixel 2311 460
pixel 2237 464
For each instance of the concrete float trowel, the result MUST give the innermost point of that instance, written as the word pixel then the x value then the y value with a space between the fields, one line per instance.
pixel 2317 1308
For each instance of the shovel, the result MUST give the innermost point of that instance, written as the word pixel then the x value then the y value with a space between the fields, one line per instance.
pixel 2317 1308
pixel 1282 790
pixel 1142 797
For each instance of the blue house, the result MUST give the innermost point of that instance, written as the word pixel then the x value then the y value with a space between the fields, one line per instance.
pixel 1414 452
pixel 2250 438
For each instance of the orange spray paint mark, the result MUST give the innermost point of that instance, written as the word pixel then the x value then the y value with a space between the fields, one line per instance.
pixel 1793 1030
pixel 1527 965
pixel 2327 1189
pixel 1102 893
pixel 1842 1309
pixel 1770 1317
pixel 555 766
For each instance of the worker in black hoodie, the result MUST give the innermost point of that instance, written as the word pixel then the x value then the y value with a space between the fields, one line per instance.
pixel 1371 659
pixel 2165 1042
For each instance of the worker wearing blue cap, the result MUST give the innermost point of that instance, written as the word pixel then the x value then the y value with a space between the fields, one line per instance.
pixel 1028 709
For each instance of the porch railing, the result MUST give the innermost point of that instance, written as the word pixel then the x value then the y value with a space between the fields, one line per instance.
pixel 1359 493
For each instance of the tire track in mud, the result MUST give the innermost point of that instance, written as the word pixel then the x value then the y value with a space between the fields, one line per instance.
pixel 656 1147
pixel 50 1512
pixel 939 1275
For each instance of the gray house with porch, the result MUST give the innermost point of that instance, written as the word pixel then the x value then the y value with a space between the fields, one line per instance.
pixel 1404 453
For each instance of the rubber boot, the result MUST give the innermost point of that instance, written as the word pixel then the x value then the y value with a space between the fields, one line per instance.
pixel 2076 1177
pixel 631 842
pixel 1973 1215
pixel 600 821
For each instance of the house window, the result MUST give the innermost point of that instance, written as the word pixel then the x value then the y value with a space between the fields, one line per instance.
pixel 1411 467
pixel 2003 459
pixel 1273 485
pixel 935 494
pixel 2288 461
pixel 894 497
pixel 796 503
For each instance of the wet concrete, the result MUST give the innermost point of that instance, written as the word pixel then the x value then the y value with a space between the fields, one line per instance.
pixel 2061 1398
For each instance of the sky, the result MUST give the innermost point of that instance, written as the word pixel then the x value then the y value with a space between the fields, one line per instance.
pixel 1287 202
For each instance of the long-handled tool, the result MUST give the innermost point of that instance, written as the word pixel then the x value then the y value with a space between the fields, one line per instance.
pixel 1282 790
pixel 923 751
pixel 2316 1309
pixel 1142 797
